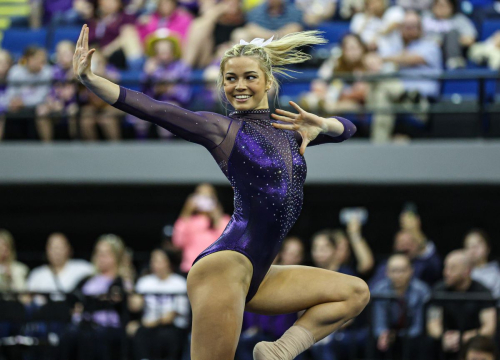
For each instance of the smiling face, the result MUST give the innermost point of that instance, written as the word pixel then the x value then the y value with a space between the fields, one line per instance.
pixel 245 84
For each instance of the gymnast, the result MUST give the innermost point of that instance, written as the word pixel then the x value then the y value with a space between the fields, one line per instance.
pixel 262 156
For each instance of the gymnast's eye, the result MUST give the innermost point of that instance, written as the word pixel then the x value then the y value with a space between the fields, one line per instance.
pixel 229 78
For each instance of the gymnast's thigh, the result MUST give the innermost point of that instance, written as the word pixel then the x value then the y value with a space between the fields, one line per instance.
pixel 292 288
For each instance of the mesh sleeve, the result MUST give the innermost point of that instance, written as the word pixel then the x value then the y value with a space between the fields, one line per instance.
pixel 204 128
pixel 324 138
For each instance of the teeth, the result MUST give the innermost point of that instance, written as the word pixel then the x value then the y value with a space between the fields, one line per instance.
pixel 242 96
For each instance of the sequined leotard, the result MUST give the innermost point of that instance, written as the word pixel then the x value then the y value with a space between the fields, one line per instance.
pixel 262 163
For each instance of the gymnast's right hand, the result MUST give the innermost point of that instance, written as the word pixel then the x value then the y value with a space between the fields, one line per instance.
pixel 82 57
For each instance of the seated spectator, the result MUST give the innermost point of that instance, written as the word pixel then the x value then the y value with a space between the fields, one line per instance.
pixel 163 328
pixel 414 56
pixel 201 222
pixel 61 273
pixel 258 327
pixel 316 11
pixel 28 85
pixel 348 8
pixel 101 307
pixel 354 243
pixel 426 269
pixel 12 272
pixel 60 108
pixel 453 31
pixel 453 323
pixel 487 52
pixel 417 5
pixel 480 348
pixel 426 261
pixel 271 18
pixel 378 26
pixel 292 252
pixel 478 247
pixel 323 252
pixel 329 95
pixel 162 71
pixel 5 65
pixel 212 29
pixel 114 32
pixel 399 322
pixel 57 13
pixel 95 113
pixel 168 15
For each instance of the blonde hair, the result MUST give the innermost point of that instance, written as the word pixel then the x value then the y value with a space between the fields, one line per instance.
pixel 6 236
pixel 117 247
pixel 273 57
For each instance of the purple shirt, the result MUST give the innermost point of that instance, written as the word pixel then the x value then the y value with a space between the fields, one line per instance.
pixel 175 71
pixel 99 285
pixel 104 31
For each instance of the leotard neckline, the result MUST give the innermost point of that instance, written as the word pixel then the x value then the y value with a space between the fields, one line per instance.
pixel 259 114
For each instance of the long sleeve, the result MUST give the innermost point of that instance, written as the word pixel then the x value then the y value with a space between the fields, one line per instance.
pixel 204 128
pixel 325 138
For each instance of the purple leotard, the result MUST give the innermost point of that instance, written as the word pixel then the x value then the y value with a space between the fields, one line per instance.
pixel 262 163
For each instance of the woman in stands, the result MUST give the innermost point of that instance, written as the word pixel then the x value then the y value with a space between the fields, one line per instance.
pixel 264 161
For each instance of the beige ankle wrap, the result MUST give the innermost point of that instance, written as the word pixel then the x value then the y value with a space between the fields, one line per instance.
pixel 293 342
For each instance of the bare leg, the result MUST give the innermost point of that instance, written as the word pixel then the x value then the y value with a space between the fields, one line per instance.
pixel 217 287
pixel 200 43
pixel 131 42
pixel 331 298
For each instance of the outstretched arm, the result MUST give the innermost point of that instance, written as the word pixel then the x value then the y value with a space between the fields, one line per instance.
pixel 205 128
pixel 310 129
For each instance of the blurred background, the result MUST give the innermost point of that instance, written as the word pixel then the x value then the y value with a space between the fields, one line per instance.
pixel 102 214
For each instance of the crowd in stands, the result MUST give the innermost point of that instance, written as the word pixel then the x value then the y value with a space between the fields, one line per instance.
pixel 157 46
pixel 421 306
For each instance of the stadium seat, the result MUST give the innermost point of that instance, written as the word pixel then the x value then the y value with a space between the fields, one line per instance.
pixel 334 30
pixel 489 27
pixel 63 33
pixel 16 40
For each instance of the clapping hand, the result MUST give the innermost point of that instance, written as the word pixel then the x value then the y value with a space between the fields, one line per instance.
pixel 83 56
pixel 308 125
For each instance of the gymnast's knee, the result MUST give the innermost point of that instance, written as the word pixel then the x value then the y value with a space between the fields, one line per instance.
pixel 360 296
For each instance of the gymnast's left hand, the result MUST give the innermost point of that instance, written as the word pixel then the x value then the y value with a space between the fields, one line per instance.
pixel 308 125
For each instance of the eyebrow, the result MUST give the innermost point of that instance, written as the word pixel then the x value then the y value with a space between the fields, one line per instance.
pixel 246 72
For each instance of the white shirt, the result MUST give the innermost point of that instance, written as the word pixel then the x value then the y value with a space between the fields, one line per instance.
pixel 155 306
pixel 42 279
pixel 368 28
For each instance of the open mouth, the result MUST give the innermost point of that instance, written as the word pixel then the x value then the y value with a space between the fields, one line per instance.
pixel 242 98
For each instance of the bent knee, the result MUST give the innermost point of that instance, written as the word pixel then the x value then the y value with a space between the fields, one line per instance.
pixel 360 295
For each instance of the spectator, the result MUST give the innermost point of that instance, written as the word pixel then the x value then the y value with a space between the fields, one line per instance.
pixel 61 273
pixel 114 32
pixel 398 323
pixel 60 107
pixel 28 85
pixel 211 30
pixel 348 8
pixel 316 11
pixel 57 13
pixel 454 323
pixel 101 309
pixel 480 348
pixel 487 52
pixel 414 56
pixel 323 252
pixel 201 222
pixel 271 18
pixel 426 261
pixel 164 324
pixel 5 65
pixel 292 252
pixel 453 31
pixel 258 327
pixel 12 272
pixel 168 15
pixel 353 242
pixel 478 246
pixel 417 5
pixel 94 112
pixel 329 95
pixel 378 26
